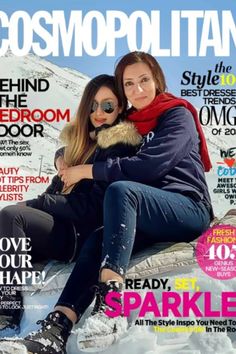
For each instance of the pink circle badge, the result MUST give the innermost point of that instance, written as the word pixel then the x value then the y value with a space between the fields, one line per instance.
pixel 216 252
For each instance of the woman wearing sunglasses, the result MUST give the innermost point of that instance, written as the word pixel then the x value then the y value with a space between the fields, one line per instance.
pixel 160 194
pixel 58 221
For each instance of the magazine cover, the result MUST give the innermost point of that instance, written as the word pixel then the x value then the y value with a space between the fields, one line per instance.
pixel 178 297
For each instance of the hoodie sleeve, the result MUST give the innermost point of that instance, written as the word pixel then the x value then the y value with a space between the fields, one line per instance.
pixel 162 150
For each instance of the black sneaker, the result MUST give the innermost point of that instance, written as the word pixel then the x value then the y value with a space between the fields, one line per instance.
pixel 11 312
pixel 50 339
pixel 100 331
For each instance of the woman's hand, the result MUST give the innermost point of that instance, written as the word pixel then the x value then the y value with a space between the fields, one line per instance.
pixel 74 174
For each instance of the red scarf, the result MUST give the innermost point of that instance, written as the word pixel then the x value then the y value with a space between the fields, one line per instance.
pixel 147 118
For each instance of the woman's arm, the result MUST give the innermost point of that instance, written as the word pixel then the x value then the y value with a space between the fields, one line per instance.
pixel 74 174
pixel 173 141
pixel 160 153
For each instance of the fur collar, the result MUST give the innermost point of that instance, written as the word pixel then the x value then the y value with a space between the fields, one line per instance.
pixel 124 132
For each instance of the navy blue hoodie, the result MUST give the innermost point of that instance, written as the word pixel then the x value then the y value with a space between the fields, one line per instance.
pixel 168 159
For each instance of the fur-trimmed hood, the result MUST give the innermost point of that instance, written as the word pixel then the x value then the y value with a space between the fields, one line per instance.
pixel 124 133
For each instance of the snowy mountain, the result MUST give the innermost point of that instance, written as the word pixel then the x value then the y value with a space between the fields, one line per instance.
pixel 66 85
pixel 65 90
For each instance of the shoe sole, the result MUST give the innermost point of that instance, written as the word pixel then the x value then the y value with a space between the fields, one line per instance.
pixel 12 348
pixel 17 347
pixel 90 347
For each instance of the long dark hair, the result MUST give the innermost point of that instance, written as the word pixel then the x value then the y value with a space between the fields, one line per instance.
pixel 133 58
pixel 79 146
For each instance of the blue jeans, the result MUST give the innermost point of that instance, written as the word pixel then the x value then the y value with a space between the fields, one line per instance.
pixel 135 216
pixel 158 214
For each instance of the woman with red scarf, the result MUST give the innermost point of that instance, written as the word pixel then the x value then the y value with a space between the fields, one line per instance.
pixel 160 194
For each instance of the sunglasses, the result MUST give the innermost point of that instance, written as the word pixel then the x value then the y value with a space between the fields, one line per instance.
pixel 107 107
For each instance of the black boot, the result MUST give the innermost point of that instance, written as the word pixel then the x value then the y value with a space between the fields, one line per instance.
pixel 100 331
pixel 11 312
pixel 51 338
pixel 101 291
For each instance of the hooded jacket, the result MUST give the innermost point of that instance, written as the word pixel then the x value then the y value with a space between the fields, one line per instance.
pixel 168 159
pixel 82 209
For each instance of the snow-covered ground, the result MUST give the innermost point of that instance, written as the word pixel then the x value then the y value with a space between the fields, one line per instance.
pixel 143 339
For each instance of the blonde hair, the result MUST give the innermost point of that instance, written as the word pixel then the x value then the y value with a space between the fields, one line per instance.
pixel 79 146
pixel 75 135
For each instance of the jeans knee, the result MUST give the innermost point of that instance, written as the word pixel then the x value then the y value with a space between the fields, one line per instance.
pixel 119 194
pixel 117 191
